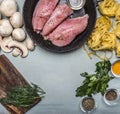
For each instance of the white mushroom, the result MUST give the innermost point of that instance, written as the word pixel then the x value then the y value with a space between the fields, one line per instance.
pixel 16 20
pixel 4 44
pixel 8 7
pixel 16 52
pixel 5 28
pixel 30 44
pixel 18 34
pixel 19 45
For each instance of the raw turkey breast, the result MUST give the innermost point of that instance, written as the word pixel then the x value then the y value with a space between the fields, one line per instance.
pixel 42 12
pixel 66 32
pixel 61 12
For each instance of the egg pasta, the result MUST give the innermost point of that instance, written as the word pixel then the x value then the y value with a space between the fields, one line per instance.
pixel 101 38
pixel 108 7
pixel 117 30
pixel 118 49
pixel 117 14
pixel 106 33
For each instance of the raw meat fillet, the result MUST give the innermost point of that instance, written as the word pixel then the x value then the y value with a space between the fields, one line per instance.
pixel 42 12
pixel 61 12
pixel 65 33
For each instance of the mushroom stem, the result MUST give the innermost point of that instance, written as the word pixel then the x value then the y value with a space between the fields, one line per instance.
pixel 16 52
pixel 30 44
pixel 19 45
pixel 4 44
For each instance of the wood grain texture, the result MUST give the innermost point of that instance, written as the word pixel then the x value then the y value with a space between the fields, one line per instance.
pixel 10 77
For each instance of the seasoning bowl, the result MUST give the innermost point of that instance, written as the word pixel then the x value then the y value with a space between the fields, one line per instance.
pixel 115 68
pixel 76 4
pixel 111 97
pixel 88 104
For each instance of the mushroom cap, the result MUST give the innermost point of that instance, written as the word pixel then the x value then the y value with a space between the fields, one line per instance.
pixel 8 7
pixel 16 20
pixel 18 34
pixel 5 28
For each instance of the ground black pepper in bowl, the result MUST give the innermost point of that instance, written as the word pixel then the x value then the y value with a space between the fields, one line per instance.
pixel 87 104
pixel 111 96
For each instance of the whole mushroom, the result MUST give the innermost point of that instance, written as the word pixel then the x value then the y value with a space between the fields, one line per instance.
pixel 8 7
pixel 5 28
pixel 16 20
pixel 18 34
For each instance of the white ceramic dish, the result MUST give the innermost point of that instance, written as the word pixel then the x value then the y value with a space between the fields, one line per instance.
pixel 112 102
pixel 113 73
pixel 83 109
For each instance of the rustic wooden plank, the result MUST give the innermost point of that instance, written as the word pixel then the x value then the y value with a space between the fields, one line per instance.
pixel 10 77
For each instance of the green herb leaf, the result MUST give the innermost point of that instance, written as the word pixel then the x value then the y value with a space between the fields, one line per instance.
pixel 23 96
pixel 95 83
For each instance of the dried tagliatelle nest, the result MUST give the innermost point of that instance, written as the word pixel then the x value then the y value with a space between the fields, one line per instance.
pixel 108 7
pixel 106 41
pixel 101 38
pixel 103 23
pixel 118 49
pixel 117 30
pixel 106 33
pixel 117 14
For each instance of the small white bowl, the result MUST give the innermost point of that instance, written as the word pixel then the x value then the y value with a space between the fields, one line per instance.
pixel 89 110
pixel 111 101
pixel 76 4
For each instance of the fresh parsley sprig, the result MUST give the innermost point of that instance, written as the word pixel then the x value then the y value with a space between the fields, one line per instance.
pixel 95 83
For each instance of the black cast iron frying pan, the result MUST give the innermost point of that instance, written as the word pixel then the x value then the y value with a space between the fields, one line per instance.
pixel 89 8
